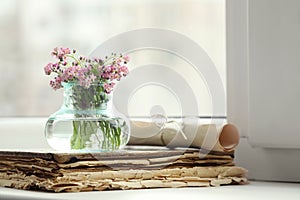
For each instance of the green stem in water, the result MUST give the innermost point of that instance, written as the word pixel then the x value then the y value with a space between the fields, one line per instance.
pixel 85 130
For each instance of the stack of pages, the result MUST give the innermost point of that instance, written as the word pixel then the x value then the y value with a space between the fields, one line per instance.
pixel 135 167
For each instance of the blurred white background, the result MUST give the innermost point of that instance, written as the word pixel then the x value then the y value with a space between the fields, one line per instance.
pixel 30 29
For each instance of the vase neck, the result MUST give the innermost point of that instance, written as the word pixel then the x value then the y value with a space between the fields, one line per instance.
pixel 80 98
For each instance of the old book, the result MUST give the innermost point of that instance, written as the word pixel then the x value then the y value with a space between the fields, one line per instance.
pixel 131 168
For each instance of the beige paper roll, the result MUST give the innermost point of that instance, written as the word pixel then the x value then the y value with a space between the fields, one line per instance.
pixel 206 136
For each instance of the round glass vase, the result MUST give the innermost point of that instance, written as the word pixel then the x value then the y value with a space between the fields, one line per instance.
pixel 85 123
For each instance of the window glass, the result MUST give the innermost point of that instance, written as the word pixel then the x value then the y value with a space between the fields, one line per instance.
pixel 30 29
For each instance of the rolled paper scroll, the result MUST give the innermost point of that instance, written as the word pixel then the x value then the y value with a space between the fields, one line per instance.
pixel 174 134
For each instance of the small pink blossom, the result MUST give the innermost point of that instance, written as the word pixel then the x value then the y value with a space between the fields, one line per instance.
pixel 108 87
pixel 89 67
pixel 124 70
pixel 60 52
pixel 119 61
pixel 105 75
pixel 56 83
pixel 48 69
pixel 126 58
pixel 55 67
pixel 69 74
pixel 115 77
pixel 92 77
pixel 108 69
pixel 86 81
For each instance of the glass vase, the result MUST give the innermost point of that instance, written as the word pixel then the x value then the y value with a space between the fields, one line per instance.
pixel 85 122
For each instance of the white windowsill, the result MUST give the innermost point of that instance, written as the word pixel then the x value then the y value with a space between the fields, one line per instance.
pixel 255 190
pixel 23 133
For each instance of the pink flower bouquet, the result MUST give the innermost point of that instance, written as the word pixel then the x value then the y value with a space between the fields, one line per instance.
pixel 88 83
